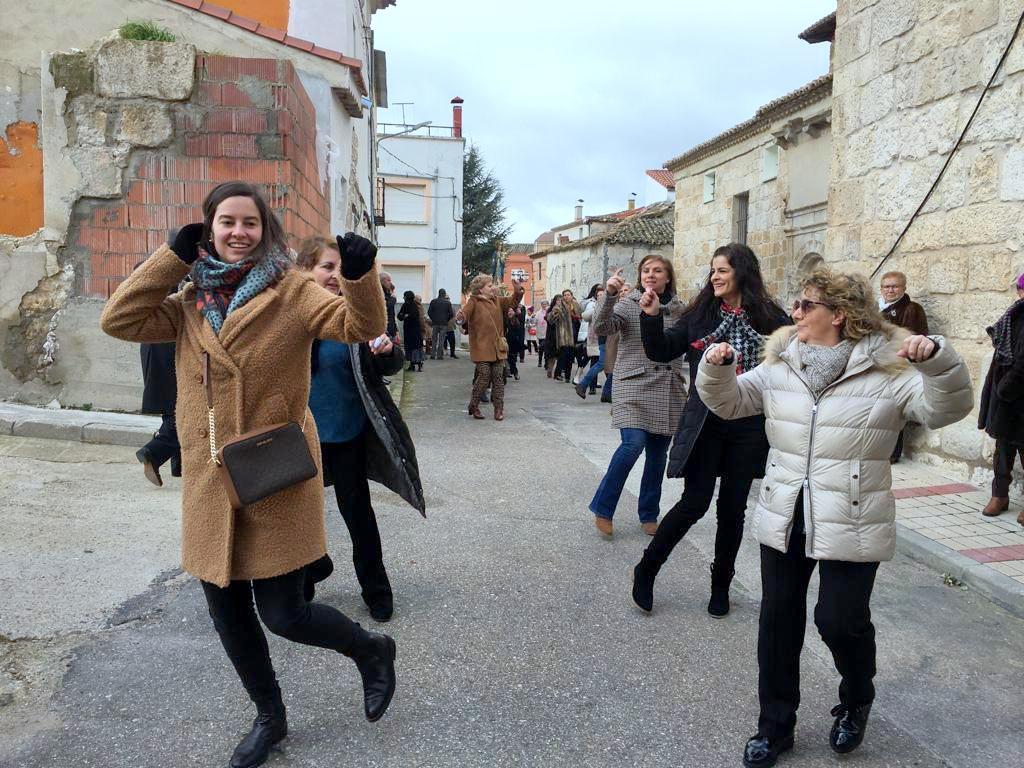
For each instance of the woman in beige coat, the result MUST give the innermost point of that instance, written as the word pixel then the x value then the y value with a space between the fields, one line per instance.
pixel 248 322
pixel 835 390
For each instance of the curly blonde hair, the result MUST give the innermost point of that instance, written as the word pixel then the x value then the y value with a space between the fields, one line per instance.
pixel 479 282
pixel 310 250
pixel 850 294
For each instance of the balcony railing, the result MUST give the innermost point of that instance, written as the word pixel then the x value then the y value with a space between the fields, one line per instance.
pixel 434 131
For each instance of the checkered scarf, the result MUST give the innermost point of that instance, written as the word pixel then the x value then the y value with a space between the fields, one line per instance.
pixel 735 328
pixel 221 288
pixel 1000 334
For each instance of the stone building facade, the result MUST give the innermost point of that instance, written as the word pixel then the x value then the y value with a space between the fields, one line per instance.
pixel 907 75
pixel 763 182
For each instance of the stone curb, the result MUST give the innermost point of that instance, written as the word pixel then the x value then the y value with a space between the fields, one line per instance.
pixel 995 586
pixel 80 426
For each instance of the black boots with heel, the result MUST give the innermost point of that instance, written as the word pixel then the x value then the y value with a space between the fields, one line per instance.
pixel 718 605
pixel 269 727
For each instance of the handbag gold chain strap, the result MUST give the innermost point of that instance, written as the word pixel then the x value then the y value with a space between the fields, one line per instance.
pixel 212 422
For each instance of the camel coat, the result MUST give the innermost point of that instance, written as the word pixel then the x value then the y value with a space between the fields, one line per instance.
pixel 486 319
pixel 260 374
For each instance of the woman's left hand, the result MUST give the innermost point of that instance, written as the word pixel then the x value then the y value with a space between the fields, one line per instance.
pixel 382 345
pixel 917 349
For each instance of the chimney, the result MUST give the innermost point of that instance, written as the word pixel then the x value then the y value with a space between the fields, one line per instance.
pixel 631 204
pixel 579 211
pixel 563 239
pixel 457 117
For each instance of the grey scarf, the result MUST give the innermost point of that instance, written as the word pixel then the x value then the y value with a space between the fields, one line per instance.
pixel 823 365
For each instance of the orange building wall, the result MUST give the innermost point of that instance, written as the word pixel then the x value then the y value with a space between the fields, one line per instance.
pixel 273 13
pixel 21 180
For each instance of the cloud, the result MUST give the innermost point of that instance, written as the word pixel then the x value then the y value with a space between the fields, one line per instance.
pixel 575 99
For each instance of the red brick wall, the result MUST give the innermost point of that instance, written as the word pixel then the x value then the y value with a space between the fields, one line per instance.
pixel 248 119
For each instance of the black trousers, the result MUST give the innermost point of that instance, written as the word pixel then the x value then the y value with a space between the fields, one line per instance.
pixel 284 612
pixel 346 462
pixel 513 362
pixel 541 351
pixel 843 618
pixel 709 454
pixel 1002 464
pixel 564 364
pixel 449 341
pixel 164 446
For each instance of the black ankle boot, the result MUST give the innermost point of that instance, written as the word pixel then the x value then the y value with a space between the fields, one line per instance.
pixel 269 727
pixel 762 752
pixel 718 605
pixel 848 729
pixel 644 574
pixel 375 658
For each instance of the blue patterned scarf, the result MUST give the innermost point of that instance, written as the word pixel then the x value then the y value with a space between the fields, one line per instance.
pixel 221 288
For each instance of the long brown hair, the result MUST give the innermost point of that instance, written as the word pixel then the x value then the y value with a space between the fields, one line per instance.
pixel 671 286
pixel 273 238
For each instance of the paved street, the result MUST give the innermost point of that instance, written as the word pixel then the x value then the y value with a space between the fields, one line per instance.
pixel 518 642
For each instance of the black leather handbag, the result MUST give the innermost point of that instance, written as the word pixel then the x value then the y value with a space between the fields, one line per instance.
pixel 259 463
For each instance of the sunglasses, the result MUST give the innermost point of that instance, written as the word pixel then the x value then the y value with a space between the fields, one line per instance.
pixel 806 305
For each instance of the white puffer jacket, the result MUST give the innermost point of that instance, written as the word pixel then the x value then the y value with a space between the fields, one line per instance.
pixel 837 447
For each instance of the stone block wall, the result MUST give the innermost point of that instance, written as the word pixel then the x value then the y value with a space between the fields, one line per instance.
pixel 907 74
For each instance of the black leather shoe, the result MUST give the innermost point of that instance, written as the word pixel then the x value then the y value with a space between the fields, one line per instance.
pixel 381 607
pixel 762 752
pixel 375 660
pixel 848 729
pixel 581 391
pixel 269 727
pixel 643 586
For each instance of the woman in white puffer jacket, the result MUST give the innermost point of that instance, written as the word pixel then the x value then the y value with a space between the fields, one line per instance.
pixel 836 390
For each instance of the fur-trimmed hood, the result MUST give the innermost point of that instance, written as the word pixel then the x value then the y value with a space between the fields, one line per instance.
pixel 880 347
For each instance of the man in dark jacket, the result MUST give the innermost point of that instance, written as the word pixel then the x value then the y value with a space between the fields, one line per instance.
pixel 1001 412
pixel 898 309
pixel 389 299
pixel 439 313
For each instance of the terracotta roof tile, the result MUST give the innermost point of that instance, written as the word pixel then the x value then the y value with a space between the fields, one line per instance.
pixel 651 225
pixel 821 30
pixel 663 177
pixel 277 35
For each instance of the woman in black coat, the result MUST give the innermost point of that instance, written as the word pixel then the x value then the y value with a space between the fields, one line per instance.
pixel 1001 413
pixel 412 330
pixel 362 437
pixel 733 306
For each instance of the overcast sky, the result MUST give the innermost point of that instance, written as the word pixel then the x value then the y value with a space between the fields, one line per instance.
pixel 572 99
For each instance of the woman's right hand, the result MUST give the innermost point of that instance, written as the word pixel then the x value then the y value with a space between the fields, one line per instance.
pixel 615 283
pixel 721 354
pixel 650 304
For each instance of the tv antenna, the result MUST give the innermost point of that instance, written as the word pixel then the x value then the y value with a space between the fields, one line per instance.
pixel 403 105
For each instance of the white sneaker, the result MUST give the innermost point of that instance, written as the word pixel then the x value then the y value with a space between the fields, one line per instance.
pixel 575 379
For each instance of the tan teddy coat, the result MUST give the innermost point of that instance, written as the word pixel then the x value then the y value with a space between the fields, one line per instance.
pixel 260 369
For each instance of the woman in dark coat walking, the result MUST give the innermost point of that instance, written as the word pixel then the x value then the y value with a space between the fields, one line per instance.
pixel 1001 413
pixel 412 330
pixel 734 305
pixel 515 336
pixel 362 434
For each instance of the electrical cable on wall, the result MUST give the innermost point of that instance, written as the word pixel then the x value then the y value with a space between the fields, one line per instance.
pixel 956 146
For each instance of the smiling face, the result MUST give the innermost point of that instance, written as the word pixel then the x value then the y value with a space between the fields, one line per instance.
pixel 723 280
pixel 817 323
pixel 654 274
pixel 327 271
pixel 236 229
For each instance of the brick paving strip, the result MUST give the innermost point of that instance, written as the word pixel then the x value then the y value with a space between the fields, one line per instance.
pixel 938 523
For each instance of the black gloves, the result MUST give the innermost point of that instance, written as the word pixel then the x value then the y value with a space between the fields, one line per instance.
pixel 357 255
pixel 185 243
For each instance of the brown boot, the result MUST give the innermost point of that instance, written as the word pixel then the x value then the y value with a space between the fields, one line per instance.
pixel 1020 517
pixel 474 411
pixel 603 525
pixel 499 413
pixel 996 506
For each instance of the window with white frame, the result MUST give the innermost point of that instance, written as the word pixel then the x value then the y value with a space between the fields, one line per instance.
pixel 770 163
pixel 709 186
pixel 407 201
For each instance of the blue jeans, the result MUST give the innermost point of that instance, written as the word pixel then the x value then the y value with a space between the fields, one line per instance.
pixel 634 442
pixel 590 379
